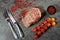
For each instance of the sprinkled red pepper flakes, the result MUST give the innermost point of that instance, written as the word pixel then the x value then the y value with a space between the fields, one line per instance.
pixel 23 12
pixel 20 0
pixel 18 5
pixel 25 5
pixel 13 8
pixel 19 19
pixel 30 4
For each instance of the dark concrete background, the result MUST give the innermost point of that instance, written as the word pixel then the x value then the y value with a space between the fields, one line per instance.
pixel 52 34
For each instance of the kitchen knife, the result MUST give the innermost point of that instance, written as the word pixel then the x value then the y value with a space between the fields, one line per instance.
pixel 17 26
pixel 10 24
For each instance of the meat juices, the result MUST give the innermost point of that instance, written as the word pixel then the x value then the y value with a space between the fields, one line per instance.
pixel 32 16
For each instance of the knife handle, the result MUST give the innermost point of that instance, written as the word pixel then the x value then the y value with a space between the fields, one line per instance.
pixel 21 34
pixel 11 27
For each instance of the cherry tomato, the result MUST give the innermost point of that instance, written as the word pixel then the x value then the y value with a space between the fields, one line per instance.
pixel 48 25
pixel 38 28
pixel 42 30
pixel 53 23
pixel 41 25
pixel 53 19
pixel 34 29
pixel 44 22
pixel 48 19
pixel 35 36
pixel 45 27
pixel 39 33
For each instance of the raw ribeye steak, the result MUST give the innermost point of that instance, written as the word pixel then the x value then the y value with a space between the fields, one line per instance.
pixel 32 16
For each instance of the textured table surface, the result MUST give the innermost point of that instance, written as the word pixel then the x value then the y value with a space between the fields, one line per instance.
pixel 52 34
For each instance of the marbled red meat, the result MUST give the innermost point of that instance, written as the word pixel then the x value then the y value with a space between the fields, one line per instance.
pixel 32 16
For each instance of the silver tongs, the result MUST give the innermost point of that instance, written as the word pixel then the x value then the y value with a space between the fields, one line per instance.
pixel 14 26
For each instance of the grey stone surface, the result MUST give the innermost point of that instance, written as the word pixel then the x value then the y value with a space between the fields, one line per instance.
pixel 52 34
